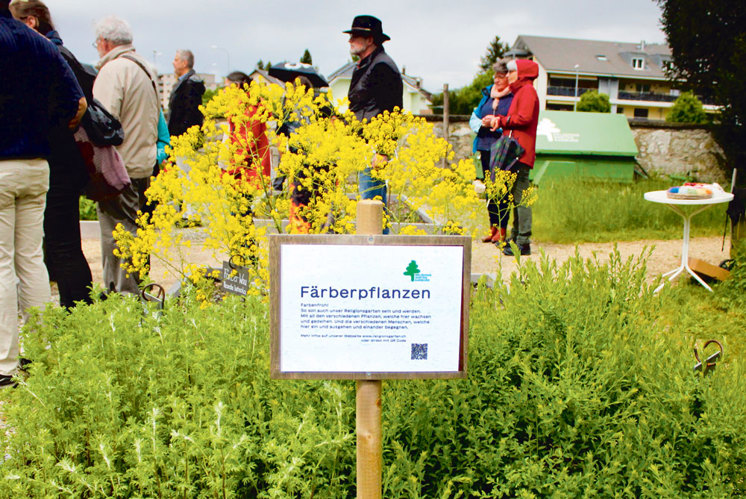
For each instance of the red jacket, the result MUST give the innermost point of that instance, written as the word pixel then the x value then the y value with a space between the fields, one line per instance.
pixel 256 159
pixel 523 115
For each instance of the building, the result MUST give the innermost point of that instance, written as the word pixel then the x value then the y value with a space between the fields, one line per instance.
pixel 631 74
pixel 167 81
pixel 415 99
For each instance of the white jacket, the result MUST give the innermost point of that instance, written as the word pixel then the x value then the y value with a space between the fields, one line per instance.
pixel 127 92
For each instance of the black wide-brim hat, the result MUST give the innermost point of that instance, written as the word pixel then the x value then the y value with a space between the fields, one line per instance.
pixel 368 26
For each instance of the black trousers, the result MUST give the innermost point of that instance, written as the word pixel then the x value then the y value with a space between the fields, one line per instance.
pixel 64 256
pixel 497 209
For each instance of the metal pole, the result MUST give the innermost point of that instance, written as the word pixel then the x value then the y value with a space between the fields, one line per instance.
pixel 575 102
pixel 446 116
pixel 368 397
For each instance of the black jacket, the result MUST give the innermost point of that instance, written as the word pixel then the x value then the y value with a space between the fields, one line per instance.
pixel 184 103
pixel 376 86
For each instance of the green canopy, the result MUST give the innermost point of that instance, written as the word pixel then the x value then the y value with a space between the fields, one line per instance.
pixel 574 144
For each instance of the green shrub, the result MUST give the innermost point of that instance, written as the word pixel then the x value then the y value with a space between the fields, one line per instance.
pixel 575 388
pixel 687 109
pixel 594 102
pixel 87 209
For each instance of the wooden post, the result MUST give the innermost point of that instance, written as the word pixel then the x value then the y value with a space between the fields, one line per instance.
pixel 446 116
pixel 369 406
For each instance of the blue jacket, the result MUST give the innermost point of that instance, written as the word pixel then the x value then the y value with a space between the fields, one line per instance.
pixel 475 121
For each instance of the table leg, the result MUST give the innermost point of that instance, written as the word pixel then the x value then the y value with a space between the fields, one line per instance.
pixel 684 249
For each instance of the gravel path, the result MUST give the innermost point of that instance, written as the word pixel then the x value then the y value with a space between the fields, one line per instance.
pixel 487 259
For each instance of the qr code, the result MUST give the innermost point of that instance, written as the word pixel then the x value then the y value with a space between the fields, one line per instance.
pixel 419 351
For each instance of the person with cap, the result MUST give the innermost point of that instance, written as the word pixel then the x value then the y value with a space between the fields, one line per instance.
pixel 521 122
pixel 376 87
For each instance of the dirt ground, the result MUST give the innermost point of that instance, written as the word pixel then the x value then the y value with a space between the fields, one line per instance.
pixel 487 259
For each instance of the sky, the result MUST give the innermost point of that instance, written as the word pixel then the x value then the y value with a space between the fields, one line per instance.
pixel 437 40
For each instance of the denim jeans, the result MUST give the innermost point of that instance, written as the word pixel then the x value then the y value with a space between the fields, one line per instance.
pixel 372 188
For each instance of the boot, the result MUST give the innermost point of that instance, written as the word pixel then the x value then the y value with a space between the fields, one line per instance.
pixel 499 235
pixel 488 238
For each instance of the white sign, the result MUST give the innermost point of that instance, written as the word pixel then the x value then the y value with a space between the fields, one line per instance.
pixel 371 308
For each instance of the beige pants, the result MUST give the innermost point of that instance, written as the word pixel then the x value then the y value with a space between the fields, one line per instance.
pixel 23 276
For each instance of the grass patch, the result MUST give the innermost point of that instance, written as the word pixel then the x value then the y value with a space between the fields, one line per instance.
pixel 574 211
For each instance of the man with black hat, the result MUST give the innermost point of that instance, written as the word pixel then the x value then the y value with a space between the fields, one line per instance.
pixel 376 87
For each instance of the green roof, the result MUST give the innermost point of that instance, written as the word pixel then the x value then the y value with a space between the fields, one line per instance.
pixel 584 134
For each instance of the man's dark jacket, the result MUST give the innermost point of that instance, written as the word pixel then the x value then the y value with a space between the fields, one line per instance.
pixel 184 103
pixel 376 86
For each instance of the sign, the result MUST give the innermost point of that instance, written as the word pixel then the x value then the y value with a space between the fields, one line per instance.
pixel 235 279
pixel 369 307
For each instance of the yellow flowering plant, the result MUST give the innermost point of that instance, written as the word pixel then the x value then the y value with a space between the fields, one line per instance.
pixel 230 203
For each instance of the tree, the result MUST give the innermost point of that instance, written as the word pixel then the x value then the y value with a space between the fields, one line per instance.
pixel 495 51
pixel 463 100
pixel 593 102
pixel 687 109
pixel 306 59
pixel 261 65
pixel 708 47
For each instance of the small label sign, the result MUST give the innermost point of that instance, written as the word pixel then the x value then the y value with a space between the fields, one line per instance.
pixel 235 279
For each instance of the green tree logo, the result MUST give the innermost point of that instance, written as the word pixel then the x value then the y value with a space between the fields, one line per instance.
pixel 412 269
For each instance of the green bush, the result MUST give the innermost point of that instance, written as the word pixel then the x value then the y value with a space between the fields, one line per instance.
pixel 594 102
pixel 87 209
pixel 687 109
pixel 575 388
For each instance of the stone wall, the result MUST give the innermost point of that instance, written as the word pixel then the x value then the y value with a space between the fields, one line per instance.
pixel 682 150
pixel 664 149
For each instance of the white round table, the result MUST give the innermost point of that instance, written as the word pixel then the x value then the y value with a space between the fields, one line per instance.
pixel 679 206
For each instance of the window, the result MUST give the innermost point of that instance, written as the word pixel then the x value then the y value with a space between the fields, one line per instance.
pixel 601 57
pixel 620 110
pixel 638 63
pixel 641 113
pixel 643 88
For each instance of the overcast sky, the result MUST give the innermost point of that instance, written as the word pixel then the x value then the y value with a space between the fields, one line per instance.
pixel 438 40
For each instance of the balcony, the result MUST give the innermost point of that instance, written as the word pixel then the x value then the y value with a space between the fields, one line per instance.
pixel 567 91
pixel 646 96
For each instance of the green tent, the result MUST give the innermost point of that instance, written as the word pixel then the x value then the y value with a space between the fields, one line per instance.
pixel 573 144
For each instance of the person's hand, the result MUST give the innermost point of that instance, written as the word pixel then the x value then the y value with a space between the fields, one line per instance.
pixel 495 123
pixel 487 120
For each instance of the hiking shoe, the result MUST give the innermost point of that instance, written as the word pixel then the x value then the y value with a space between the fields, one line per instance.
pixel 525 250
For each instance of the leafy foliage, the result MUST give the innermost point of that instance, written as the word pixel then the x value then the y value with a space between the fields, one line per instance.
pixel 225 193
pixel 463 100
pixel 708 46
pixel 594 102
pixel 576 387
pixel 687 109
pixel 87 209
pixel 306 58
pixel 495 51
pixel 209 94
pixel 262 65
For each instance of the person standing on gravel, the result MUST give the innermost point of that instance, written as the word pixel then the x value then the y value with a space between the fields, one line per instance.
pixel 38 92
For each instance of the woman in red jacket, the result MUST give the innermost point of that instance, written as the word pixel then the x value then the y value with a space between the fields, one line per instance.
pixel 520 123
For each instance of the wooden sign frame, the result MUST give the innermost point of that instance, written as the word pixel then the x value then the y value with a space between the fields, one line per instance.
pixel 276 241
